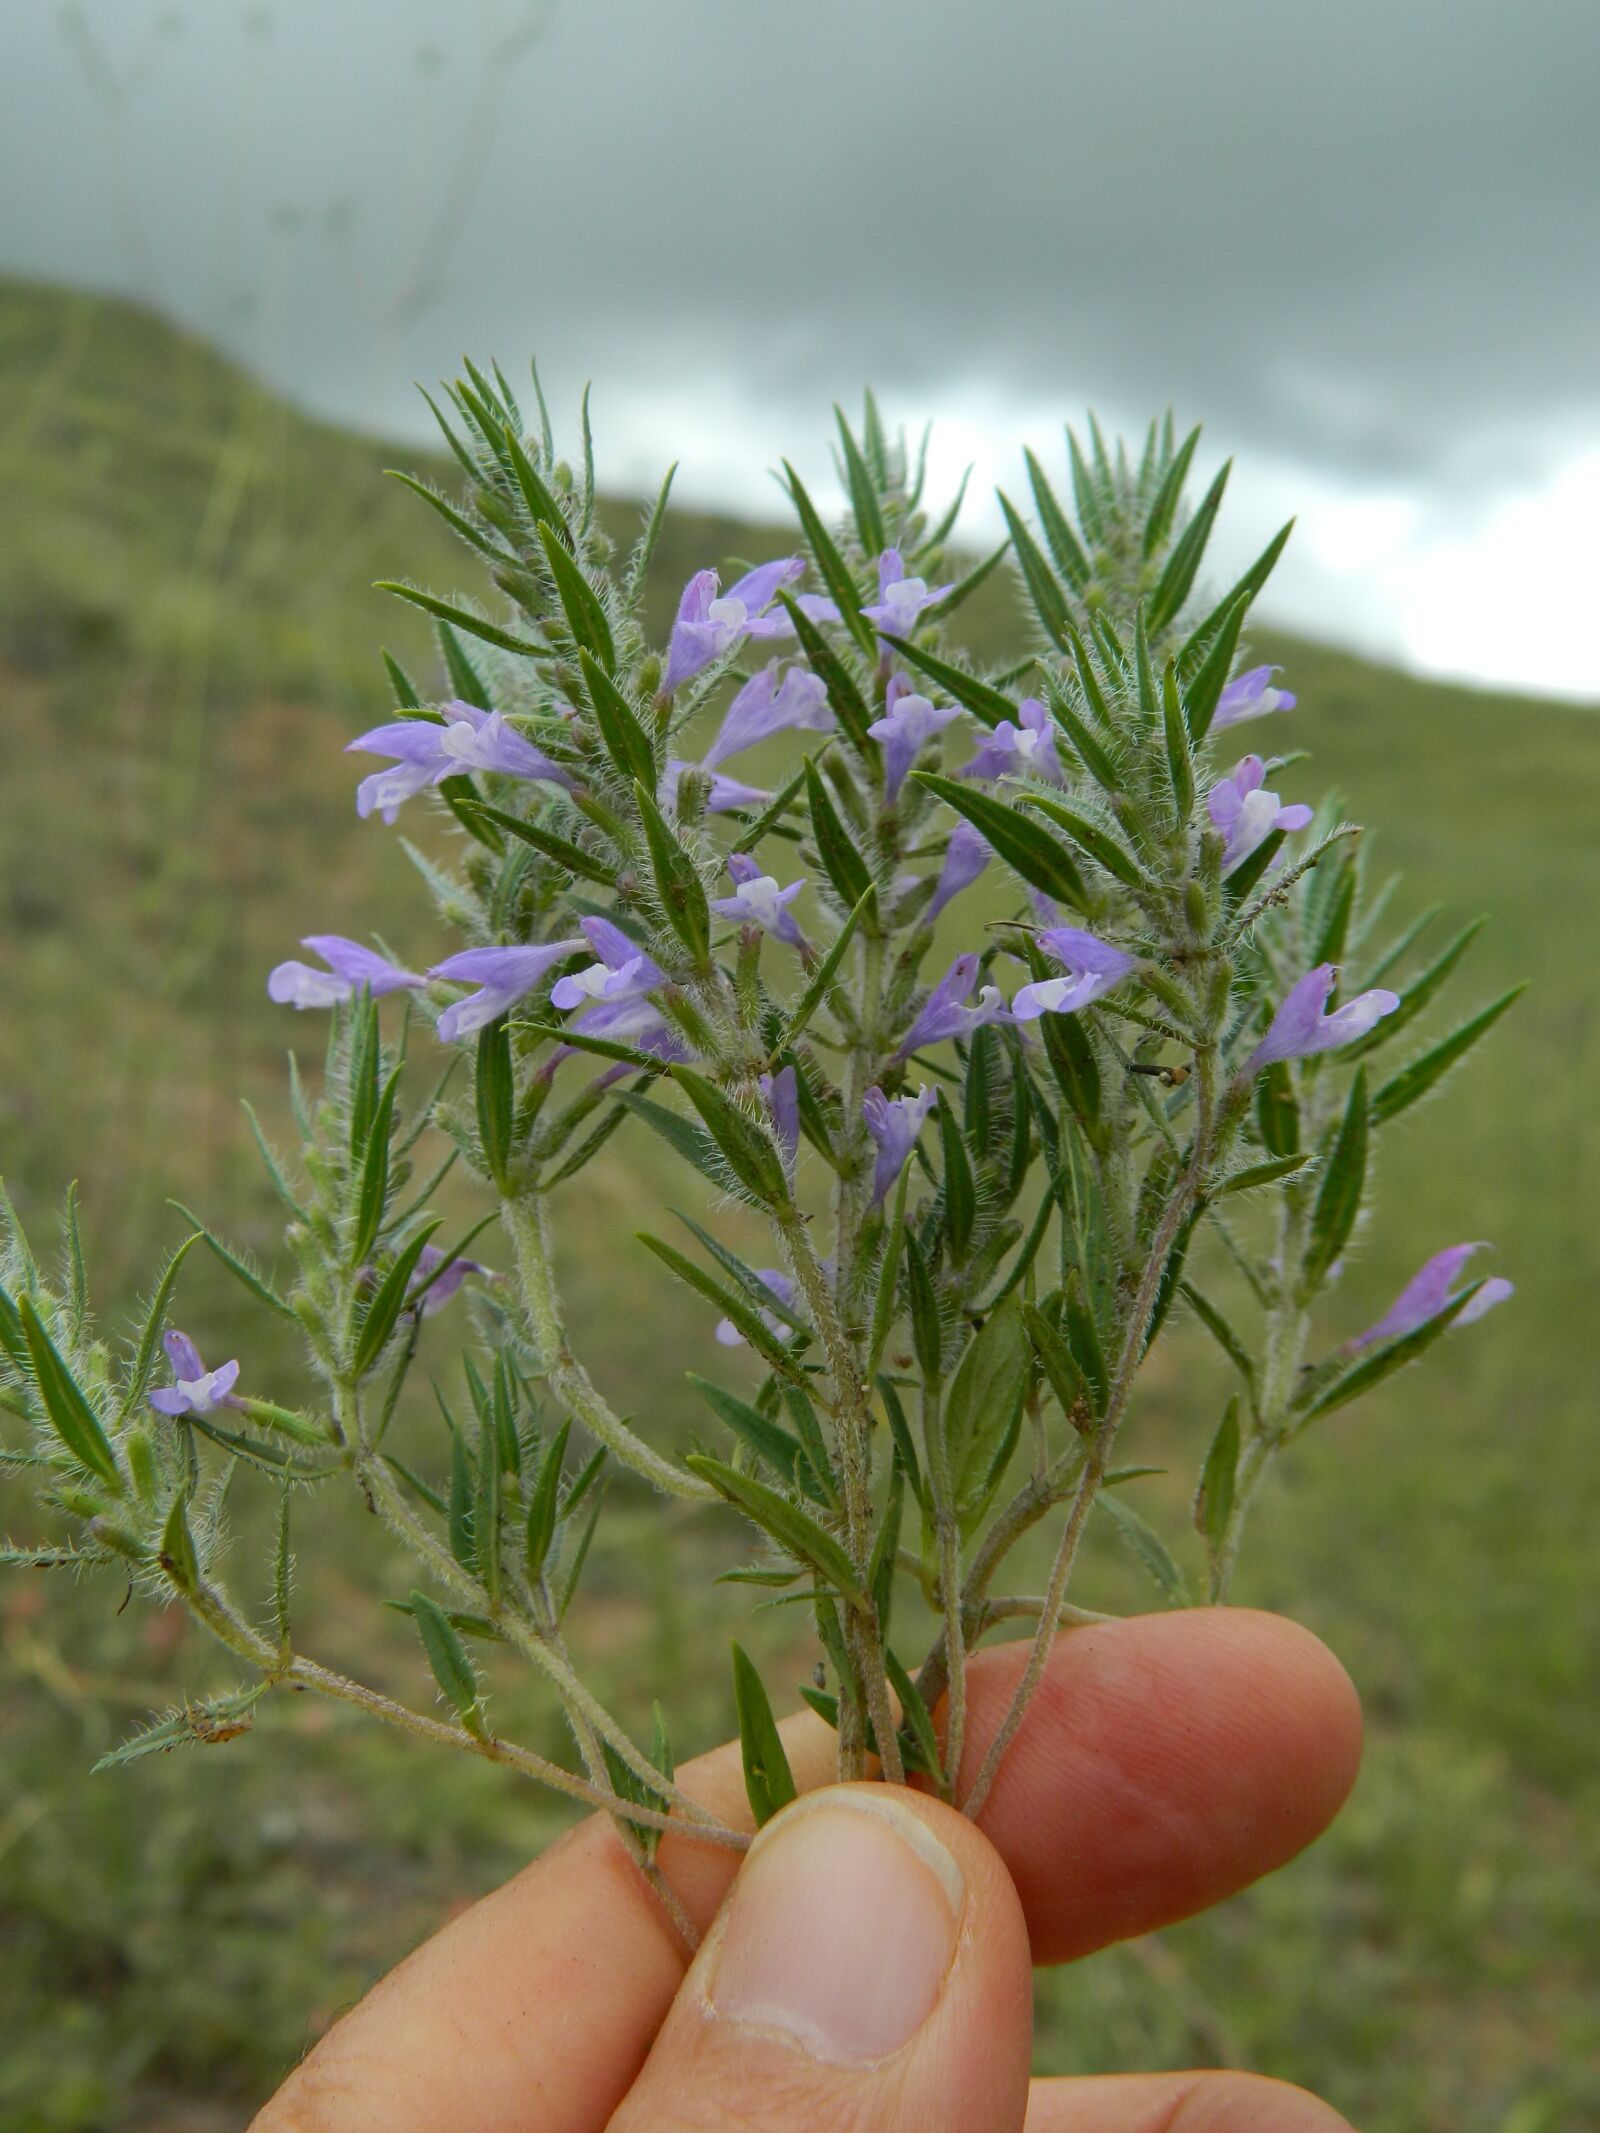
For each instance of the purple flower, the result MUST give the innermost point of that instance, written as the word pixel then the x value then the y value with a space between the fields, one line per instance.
pixel 901 600
pixel 894 1123
pixel 1093 967
pixel 1011 749
pixel 781 1092
pixel 710 624
pixel 488 743
pixel 624 971
pixel 426 753
pixel 966 856
pixel 1244 816
pixel 350 966
pixel 1427 1293
pixel 767 705
pixel 760 902
pixel 503 975
pixel 725 795
pixel 908 720
pixel 1250 696
pixel 945 1013
pixel 426 1294
pixel 1300 1028
pixel 784 1289
pixel 198 1391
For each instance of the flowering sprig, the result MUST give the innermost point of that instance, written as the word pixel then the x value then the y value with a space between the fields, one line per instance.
pixel 996 1170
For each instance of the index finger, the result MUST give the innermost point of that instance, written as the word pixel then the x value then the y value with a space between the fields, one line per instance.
pixel 1166 1762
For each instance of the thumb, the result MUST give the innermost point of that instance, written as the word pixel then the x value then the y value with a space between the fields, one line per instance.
pixel 869 1969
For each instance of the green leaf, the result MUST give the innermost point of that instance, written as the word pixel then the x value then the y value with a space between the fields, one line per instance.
pixel 1173 586
pixel 900 1432
pixel 1388 1359
pixel 747 1149
pixel 769 1440
pixel 177 1556
pixel 1277 1112
pixel 1213 1503
pixel 746 1276
pixel 543 1502
pixel 681 892
pixel 374 1197
pixel 1222 1333
pixel 217 1718
pixel 561 849
pixel 601 1047
pixel 1090 753
pixel 1083 1338
pixel 474 625
pixel 71 1416
pixel 829 561
pixel 542 506
pixel 465 679
pixel 1414 1082
pixel 626 741
pixel 1164 504
pixel 1099 843
pixel 1200 640
pixel 447 1655
pixel 888 1282
pixel 794 1530
pixel 917 1718
pixel 960 1185
pixel 732 1306
pixel 838 851
pixel 1055 1358
pixel 495 1091
pixel 927 1333
pixel 1339 1195
pixel 1070 1051
pixel 680 1136
pixel 454 519
pixel 984 1399
pixel 987 704
pixel 826 971
pixel 1204 692
pixel 1180 764
pixel 863 495
pixel 1026 848
pixel 1064 544
pixel 1418 994
pixel 849 706
pixel 768 1780
pixel 149 1337
pixel 1044 588
pixel 1147 1545
pixel 580 603
pixel 1257 1174
pixel 388 1302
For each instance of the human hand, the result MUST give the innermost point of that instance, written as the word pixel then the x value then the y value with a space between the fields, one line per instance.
pixel 869 1964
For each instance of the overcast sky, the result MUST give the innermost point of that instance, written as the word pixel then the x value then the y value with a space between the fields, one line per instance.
pixel 1360 240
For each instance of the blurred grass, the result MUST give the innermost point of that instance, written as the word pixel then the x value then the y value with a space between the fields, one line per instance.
pixel 187 636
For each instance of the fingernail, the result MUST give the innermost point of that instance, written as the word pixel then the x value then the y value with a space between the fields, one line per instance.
pixel 842 1927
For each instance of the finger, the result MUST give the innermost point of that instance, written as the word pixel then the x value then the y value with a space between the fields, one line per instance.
pixel 1166 1762
pixel 1178 2103
pixel 870 1969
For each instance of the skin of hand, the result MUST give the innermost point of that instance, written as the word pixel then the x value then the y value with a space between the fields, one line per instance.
pixel 867 1969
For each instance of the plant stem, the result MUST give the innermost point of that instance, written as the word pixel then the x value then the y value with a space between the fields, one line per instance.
pixel 524 1218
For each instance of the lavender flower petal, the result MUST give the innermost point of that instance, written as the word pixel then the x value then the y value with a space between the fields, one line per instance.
pixel 504 976
pixel 495 746
pixel 781 1092
pixel 1093 967
pixel 1427 1293
pixel 901 600
pixel 350 966
pixel 196 1391
pixel 709 625
pixel 1250 696
pixel 908 721
pixel 945 1013
pixel 894 1123
pixel 760 902
pixel 966 856
pixel 428 1296
pixel 783 1288
pixel 767 705
pixel 1014 747
pixel 1244 815
pixel 1300 1027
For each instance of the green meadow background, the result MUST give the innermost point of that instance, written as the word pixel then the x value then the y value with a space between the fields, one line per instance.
pixel 187 637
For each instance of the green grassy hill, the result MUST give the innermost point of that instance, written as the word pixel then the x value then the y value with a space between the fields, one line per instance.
pixel 187 636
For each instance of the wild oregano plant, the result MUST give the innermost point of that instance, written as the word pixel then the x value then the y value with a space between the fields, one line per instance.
pixel 992 1182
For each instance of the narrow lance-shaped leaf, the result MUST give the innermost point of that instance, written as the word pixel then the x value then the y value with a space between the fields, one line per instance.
pixel 71 1416
pixel 1149 1548
pixel 554 846
pixel 863 495
pixel 1213 1503
pixel 987 704
pixel 1338 1199
pixel 1204 691
pixel 832 565
pixel 1419 993
pixel 769 1440
pixel 384 1310
pixel 768 1780
pixel 1388 1359
pixel 1180 764
pixel 580 603
pixel 745 1317
pixel 447 1656
pixel 626 741
pixel 794 1530
pixel 1064 544
pixel 1173 586
pixel 1044 588
pixel 837 850
pixel 1041 860
pixel 1099 843
pixel 374 1194
pixel 1164 504
pixel 1413 1082
pixel 849 706
pixel 827 970
pixel 678 884
pixel 177 1556
pixel 495 1093
pixel 543 1502
pixel 748 1150
pixel 960 1185
pixel 474 625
